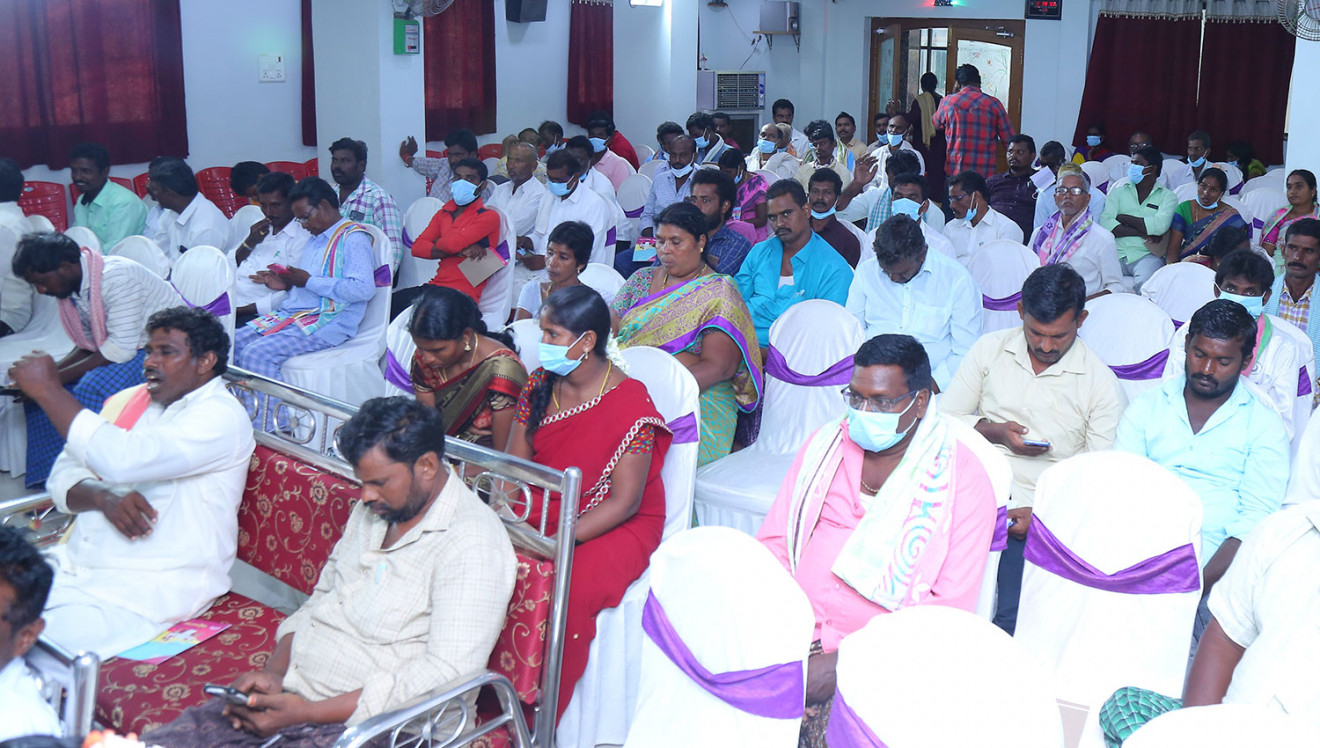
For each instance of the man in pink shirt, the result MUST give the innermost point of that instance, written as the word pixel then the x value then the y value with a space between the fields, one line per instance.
pixel 886 508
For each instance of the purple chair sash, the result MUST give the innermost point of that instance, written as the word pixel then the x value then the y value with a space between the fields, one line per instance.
pixel 1006 304
pixel 1303 382
pixel 847 730
pixel 637 213
pixel 1177 323
pixel 407 240
pixel 685 429
pixel 218 308
pixel 774 691
pixel 777 366
pixel 611 237
pixel 395 374
pixel 383 276
pixel 999 538
pixel 1151 368
pixel 1173 571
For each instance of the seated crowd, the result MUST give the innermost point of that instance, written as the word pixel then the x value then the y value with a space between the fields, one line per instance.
pixel 890 504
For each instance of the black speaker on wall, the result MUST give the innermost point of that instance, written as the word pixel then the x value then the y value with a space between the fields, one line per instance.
pixel 524 11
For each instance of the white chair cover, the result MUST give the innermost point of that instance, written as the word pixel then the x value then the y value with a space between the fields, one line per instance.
pixel 351 372
pixel 643 151
pixel 1125 329
pixel 1000 267
pixel 604 279
pixel 497 297
pixel 649 168
pixel 1234 174
pixel 241 225
pixel 737 490
pixel 606 696
pixel 39 222
pixel 144 252
pixel 633 192
pixel 1117 166
pixel 735 608
pixel 1225 726
pixel 1180 289
pixel 201 276
pixel 1262 201
pixel 1186 192
pixel 414 271
pixel 527 338
pixel 1094 640
pixel 84 236
pixel 492 165
pixel 981 676
pixel 1000 472
pixel 399 345
pixel 1098 173
pixel 1274 179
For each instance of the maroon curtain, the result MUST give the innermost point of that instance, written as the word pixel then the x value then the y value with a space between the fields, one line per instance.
pixel 109 71
pixel 308 78
pixel 459 47
pixel 1142 76
pixel 1245 69
pixel 590 59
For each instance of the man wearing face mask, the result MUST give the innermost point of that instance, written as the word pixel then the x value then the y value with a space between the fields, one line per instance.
pixel 1139 214
pixel 1041 396
pixel 974 221
pixel 581 149
pixel 604 159
pixel 893 141
pixel 822 192
pixel 709 144
pixel 600 126
pixel 671 185
pixel 1052 157
pixel 567 201
pixel 893 474
pixel 909 192
pixel 1072 235
pixel 1280 367
pixel 1198 158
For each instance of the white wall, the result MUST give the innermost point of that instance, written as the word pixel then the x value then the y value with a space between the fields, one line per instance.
pixel 1303 150
pixel 655 66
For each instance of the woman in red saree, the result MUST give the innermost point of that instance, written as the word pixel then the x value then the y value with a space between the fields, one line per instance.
pixel 581 410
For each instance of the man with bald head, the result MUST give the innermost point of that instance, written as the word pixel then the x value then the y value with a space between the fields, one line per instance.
pixel 519 199
pixel 671 185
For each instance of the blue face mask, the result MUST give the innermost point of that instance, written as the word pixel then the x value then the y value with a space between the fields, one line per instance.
pixel 1136 173
pixel 1254 304
pixel 558 189
pixel 597 144
pixel 1093 140
pixel 876 432
pixel 553 148
pixel 1211 206
pixel 895 139
pixel 1198 163
pixel 554 358
pixel 682 171
pixel 822 216
pixel 701 142
pixel 464 192
pixel 972 213
pixel 765 146
pixel 906 207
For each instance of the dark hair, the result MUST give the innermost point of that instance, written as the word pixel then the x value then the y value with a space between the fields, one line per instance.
pixel 1225 241
pixel 782 104
pixel 174 175
pixel 818 129
pixel 668 128
pixel 1304 227
pixel 1054 149
pixel 561 159
pixel 790 187
pixel 916 179
pixel 880 115
pixel 580 143
pixel 903 351
pixel 1049 292
pixel 579 309
pixel 11 181
pixel 1202 136
pixel 1152 156
pixel 1020 138
pixel 898 239
pixel 358 148
pixel 94 152
pixel 1096 126
pixel 443 313
pixel 403 428
pixel 549 126
pixel 730 159
pixel 27 572
pixel 462 138
pixel 245 175
pixel 724 186
pixel 967 75
pixel 686 216
pixel 475 164
pixel 970 181
pixel 1245 263
pixel 845 115
pixel 1213 172
pixel 903 162
pixel 205 333
pixel 700 119
pixel 827 175
pixel 578 237
pixel 44 252
pixel 1244 153
pixel 721 115
pixel 1306 175
pixel 1222 319
pixel 276 181
pixel 929 82
pixel 314 190
pixel 600 119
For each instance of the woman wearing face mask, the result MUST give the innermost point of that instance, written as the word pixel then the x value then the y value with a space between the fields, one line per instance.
pixel 773 153
pixel 581 410
pixel 1301 193
pixel 750 205
pixel 1195 222
pixel 685 308
pixel 568 250
pixel 471 375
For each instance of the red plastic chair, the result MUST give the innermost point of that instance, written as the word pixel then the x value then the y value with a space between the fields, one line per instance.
pixel 125 183
pixel 490 150
pixel 292 168
pixel 214 185
pixel 312 166
pixel 140 184
pixel 46 199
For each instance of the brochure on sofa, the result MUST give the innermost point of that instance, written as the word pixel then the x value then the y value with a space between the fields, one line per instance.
pixel 177 639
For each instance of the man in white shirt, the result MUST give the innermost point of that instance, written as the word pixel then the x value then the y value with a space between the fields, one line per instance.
pixel 156 478
pixel 1074 235
pixel 975 222
pixel 903 287
pixel 1052 157
pixel 1189 171
pixel 909 199
pixel 782 111
pixel 895 140
pixel 1304 483
pixel 189 219
pixel 569 201
pixel 519 199
pixel 581 149
pixel 276 239
pixel 709 144
pixel 25 579
pixel 16 296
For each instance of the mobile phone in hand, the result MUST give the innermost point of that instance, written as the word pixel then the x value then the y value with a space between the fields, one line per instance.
pixel 10 392
pixel 278 269
pixel 227 694
pixel 1036 443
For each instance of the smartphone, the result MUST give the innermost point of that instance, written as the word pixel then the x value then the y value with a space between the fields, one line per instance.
pixel 10 392
pixel 1036 443
pixel 227 694
pixel 278 269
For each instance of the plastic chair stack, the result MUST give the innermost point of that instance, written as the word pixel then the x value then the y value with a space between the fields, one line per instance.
pixel 45 199
pixel 214 185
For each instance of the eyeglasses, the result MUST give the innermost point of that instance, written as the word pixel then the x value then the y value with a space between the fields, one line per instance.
pixel 857 401
pixel 957 198
pixel 1074 191
pixel 304 218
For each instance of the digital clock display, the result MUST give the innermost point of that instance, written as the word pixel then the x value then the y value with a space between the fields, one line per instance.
pixel 1050 10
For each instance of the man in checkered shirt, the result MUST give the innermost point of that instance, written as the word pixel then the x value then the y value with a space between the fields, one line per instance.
pixel 972 121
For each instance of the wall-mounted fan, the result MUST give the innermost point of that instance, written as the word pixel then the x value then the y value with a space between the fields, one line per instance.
pixel 1300 17
pixel 419 8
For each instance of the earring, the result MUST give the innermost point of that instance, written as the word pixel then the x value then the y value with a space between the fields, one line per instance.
pixel 467 345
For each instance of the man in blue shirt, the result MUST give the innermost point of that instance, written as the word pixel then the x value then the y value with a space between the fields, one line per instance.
pixel 1211 429
pixel 793 265
pixel 714 193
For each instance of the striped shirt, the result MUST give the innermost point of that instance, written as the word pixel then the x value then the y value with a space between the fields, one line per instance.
pixel 1298 311
pixel 131 293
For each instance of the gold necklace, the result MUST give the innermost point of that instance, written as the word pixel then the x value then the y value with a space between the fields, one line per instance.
pixel 867 488
pixel 608 369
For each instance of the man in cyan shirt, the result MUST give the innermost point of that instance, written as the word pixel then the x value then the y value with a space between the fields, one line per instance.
pixel 109 210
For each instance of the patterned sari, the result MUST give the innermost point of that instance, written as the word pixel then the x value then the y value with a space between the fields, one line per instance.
pixel 470 400
pixel 1197 234
pixel 676 320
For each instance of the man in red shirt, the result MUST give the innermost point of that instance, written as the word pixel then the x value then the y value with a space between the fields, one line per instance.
pixel 601 125
pixel 972 121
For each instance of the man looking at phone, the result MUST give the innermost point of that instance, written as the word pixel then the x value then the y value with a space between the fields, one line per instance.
pixel 275 239
pixel 1041 396
pixel 412 597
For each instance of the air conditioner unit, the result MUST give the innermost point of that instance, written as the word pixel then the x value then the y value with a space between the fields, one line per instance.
pixel 730 91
